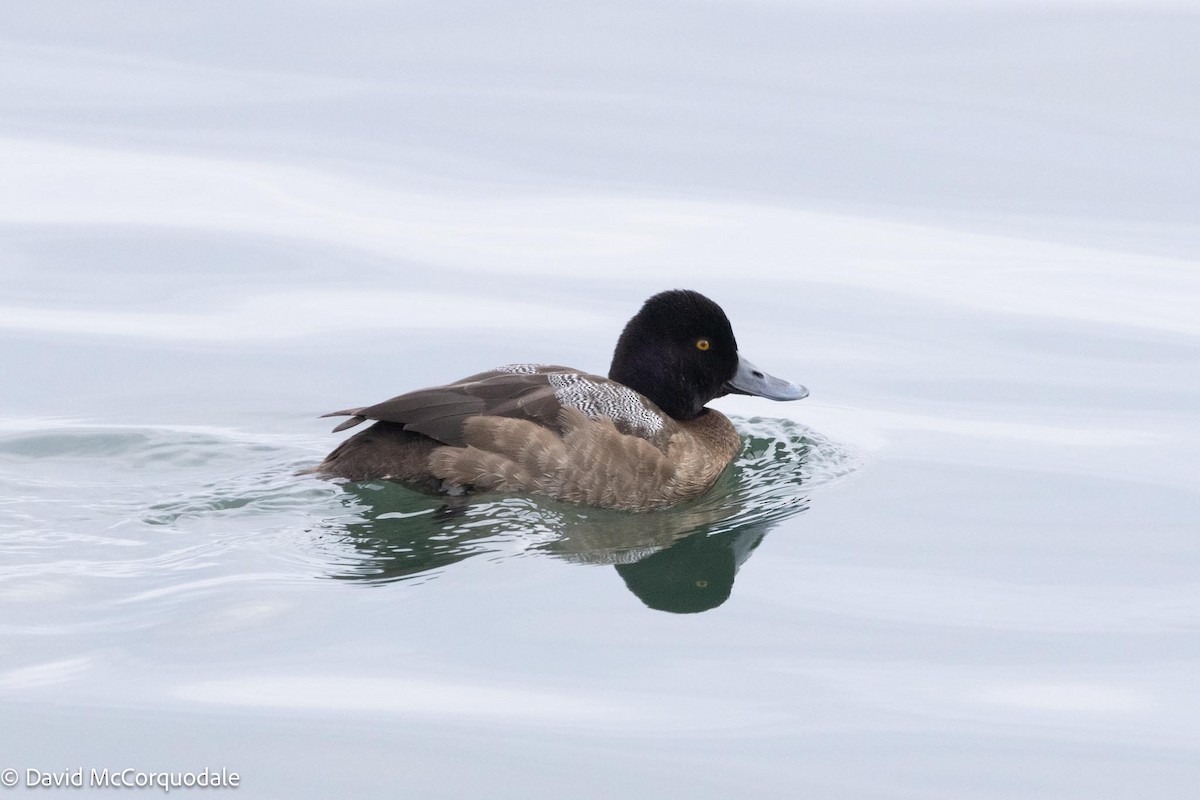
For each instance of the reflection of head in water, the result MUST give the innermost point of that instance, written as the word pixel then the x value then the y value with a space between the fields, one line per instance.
pixel 694 574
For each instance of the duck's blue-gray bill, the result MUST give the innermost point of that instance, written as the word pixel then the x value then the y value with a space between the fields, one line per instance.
pixel 749 379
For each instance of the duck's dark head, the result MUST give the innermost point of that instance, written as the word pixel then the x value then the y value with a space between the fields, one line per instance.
pixel 680 352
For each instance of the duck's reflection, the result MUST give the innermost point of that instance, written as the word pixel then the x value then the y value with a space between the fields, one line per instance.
pixel 694 574
pixel 682 560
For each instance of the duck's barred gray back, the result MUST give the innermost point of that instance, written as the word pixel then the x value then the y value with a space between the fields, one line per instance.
pixel 520 369
pixel 605 399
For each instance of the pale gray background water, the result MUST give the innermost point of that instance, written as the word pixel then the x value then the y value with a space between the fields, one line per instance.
pixel 971 230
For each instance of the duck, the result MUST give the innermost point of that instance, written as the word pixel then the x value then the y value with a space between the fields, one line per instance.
pixel 640 439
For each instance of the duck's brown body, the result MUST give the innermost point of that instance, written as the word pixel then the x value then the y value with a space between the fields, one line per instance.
pixel 589 461
pixel 550 431
pixel 639 439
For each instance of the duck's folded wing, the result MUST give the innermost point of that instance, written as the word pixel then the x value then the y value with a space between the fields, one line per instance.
pixel 440 411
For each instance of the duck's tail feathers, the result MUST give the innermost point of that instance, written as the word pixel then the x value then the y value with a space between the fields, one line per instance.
pixel 355 418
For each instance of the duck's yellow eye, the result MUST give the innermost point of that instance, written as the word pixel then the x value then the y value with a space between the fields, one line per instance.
pixel 702 344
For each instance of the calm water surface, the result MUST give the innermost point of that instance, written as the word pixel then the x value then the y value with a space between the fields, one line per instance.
pixel 966 566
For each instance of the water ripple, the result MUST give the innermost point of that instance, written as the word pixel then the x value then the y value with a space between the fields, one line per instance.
pixel 170 513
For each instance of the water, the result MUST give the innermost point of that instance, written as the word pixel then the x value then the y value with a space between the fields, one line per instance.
pixel 964 567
